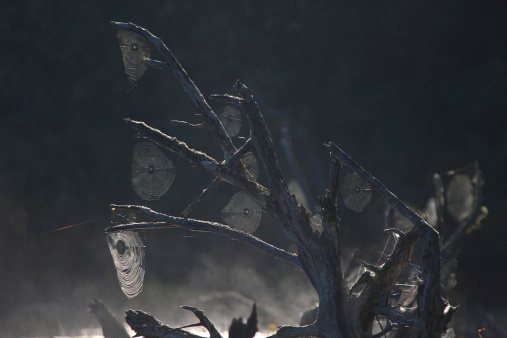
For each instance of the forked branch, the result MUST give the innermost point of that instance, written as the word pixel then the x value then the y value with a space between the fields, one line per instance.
pixel 210 118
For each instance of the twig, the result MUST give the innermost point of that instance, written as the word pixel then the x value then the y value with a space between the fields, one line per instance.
pixel 234 100
pixel 199 198
pixel 187 124
pixel 166 221
pixel 204 321
pixel 243 150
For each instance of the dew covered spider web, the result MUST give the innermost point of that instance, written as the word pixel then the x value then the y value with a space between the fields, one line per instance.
pixel 356 192
pixel 460 197
pixel 242 213
pixel 127 250
pixel 251 164
pixel 135 50
pixel 152 172
pixel 230 118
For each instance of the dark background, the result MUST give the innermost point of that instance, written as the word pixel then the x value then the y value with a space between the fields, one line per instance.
pixel 405 88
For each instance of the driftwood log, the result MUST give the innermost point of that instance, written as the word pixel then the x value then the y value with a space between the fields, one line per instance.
pixel 343 311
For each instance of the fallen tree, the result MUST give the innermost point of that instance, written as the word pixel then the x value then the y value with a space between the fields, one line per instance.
pixel 344 311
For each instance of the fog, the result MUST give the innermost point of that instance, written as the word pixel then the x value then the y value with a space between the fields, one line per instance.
pixel 406 89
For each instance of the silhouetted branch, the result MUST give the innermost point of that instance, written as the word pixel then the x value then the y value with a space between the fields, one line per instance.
pixel 148 326
pixel 187 124
pixel 188 85
pixel 202 160
pixel 166 221
pixel 228 99
pixel 203 321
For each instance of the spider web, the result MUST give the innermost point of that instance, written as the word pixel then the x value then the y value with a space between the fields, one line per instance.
pixel 127 250
pixel 231 120
pixel 134 50
pixel 356 192
pixel 242 213
pixel 152 172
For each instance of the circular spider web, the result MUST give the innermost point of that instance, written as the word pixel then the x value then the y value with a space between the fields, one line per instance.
pixel 127 250
pixel 134 50
pixel 231 120
pixel 242 213
pixel 152 172
pixel 251 164
pixel 316 223
pixel 356 192
pixel 460 197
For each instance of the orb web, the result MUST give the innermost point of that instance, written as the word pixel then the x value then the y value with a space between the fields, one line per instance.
pixel 251 164
pixel 356 192
pixel 231 120
pixel 127 250
pixel 242 213
pixel 430 212
pixel 410 279
pixel 316 223
pixel 152 172
pixel 135 50
pixel 460 197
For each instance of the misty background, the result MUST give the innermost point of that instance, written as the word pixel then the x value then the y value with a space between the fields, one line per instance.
pixel 406 88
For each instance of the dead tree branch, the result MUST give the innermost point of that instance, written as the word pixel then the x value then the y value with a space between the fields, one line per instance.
pixel 148 326
pixel 166 222
pixel 342 312
pixel 210 118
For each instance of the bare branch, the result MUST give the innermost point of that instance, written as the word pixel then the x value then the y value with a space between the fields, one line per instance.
pixel 228 99
pixel 243 150
pixel 148 326
pixel 157 64
pixel 210 118
pixel 186 124
pixel 263 144
pixel 202 160
pixel 334 178
pixel 204 321
pixel 166 221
